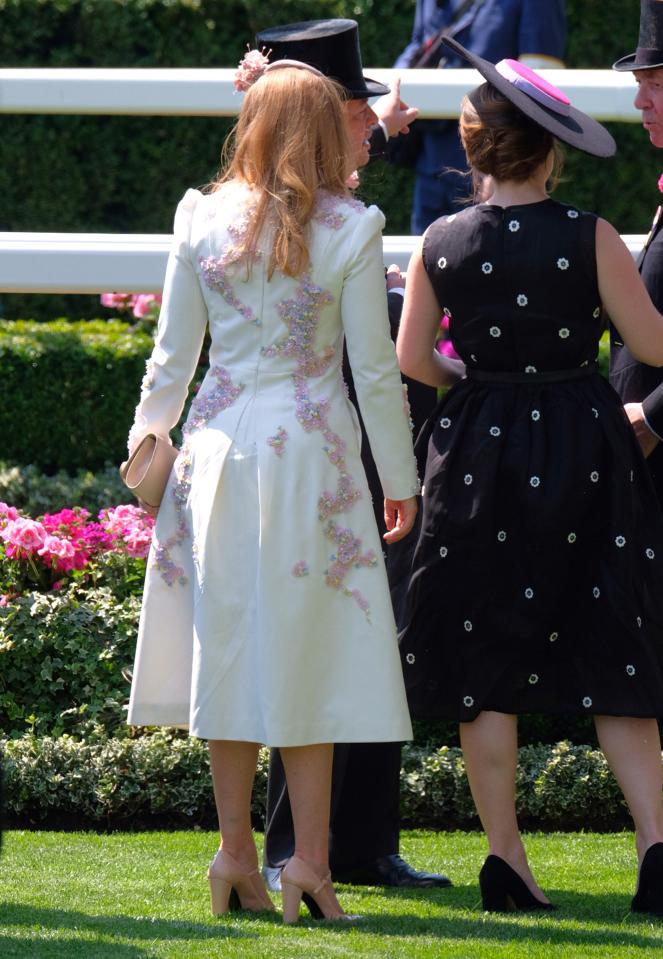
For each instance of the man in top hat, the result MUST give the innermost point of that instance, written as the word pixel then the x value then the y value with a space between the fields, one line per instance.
pixel 364 829
pixel 332 46
pixel 641 386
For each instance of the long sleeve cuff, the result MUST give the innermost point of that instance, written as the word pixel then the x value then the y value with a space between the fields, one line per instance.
pixel 652 409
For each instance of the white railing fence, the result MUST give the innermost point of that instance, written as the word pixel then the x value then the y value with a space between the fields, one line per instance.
pixel 92 263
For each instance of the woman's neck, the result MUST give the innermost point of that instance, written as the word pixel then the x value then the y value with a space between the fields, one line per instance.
pixel 511 193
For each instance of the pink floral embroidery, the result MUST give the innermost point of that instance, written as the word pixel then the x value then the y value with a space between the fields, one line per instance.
pixel 328 208
pixel 148 379
pixel 216 272
pixel 407 407
pixel 348 556
pixel 300 315
pixel 300 569
pixel 216 277
pixel 140 425
pixel 204 408
pixel 277 442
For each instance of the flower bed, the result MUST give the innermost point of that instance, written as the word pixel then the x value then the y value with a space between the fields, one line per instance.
pixel 70 589
pixel 57 548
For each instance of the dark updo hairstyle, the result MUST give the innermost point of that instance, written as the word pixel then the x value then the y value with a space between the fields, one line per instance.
pixel 500 141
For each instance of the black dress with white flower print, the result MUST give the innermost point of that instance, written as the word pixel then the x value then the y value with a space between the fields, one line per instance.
pixel 536 583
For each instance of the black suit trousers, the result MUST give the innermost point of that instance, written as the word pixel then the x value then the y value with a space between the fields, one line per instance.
pixel 364 822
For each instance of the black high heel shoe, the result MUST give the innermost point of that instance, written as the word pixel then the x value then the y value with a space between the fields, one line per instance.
pixel 649 894
pixel 502 889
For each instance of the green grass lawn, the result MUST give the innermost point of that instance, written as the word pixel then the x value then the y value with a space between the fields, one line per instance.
pixel 135 895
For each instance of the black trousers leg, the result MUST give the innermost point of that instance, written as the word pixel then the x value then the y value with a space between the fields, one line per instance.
pixel 364 821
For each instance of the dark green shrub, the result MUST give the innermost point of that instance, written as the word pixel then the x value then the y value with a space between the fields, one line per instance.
pixel 122 782
pixel 35 493
pixel 126 173
pixel 62 655
pixel 69 391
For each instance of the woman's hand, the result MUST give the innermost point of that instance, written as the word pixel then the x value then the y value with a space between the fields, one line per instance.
pixel 399 516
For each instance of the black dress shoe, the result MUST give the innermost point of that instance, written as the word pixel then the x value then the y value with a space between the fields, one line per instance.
pixel 389 871
pixel 272 877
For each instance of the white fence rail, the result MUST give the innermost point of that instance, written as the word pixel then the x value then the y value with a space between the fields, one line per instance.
pixel 603 94
pixel 122 263
pixel 92 263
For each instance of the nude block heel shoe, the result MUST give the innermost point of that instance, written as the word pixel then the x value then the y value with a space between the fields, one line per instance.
pixel 233 887
pixel 299 881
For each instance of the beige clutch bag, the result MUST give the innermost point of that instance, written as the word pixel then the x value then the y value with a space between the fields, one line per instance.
pixel 147 470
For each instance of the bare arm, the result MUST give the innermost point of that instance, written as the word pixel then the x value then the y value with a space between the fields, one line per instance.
pixel 420 322
pixel 625 298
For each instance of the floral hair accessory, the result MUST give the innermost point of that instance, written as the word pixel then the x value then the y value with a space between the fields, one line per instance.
pixel 660 183
pixel 251 67
pixel 254 63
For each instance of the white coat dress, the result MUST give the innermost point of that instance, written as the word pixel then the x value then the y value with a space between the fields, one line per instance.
pixel 266 614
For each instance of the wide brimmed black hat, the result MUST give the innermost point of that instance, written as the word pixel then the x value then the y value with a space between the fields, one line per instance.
pixel 332 46
pixel 649 54
pixel 542 103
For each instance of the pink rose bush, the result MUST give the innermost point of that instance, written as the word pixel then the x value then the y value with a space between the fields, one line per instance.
pixel 142 306
pixel 45 553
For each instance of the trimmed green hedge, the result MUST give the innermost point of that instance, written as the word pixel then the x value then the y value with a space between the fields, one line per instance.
pixel 63 655
pixel 69 391
pixel 72 389
pixel 123 174
pixel 35 493
pixel 124 783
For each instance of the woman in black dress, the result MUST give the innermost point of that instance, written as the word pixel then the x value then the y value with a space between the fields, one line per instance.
pixel 537 583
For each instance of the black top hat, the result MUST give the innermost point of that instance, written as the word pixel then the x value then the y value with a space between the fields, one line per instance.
pixel 650 42
pixel 542 103
pixel 332 46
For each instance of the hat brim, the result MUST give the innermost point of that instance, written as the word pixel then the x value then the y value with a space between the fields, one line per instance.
pixel 371 88
pixel 625 64
pixel 577 129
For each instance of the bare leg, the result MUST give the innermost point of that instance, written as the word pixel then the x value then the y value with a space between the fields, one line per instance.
pixel 490 749
pixel 308 774
pixel 633 750
pixel 233 767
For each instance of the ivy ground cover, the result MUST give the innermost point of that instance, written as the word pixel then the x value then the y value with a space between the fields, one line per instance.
pixel 144 896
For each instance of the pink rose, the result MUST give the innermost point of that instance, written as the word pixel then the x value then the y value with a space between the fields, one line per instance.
pixel 24 534
pixel 59 552
pixel 144 303
pixel 8 512
pixel 117 301
pixel 55 547
pixel 138 543
pixel 660 183
pixel 120 518
pixel 4 600
pixel 67 521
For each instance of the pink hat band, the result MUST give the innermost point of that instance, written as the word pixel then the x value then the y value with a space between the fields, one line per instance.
pixel 529 82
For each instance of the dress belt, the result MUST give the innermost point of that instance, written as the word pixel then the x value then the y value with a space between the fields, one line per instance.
pixel 546 376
